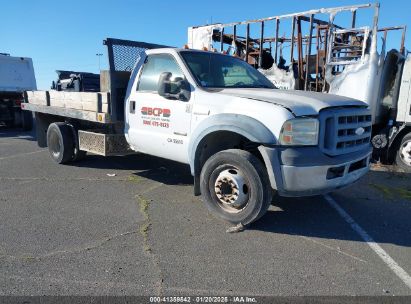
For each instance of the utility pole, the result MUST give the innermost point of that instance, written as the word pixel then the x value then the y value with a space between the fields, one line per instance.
pixel 99 56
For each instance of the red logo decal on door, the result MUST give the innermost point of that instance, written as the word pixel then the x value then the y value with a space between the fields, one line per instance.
pixel 155 111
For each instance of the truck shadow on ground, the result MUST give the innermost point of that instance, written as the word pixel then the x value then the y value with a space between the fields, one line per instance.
pixel 157 169
pixel 310 217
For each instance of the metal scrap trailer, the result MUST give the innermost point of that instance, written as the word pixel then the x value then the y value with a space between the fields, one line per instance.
pixel 304 50
pixel 338 50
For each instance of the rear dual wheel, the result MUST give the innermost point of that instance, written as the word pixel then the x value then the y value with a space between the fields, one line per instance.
pixel 62 145
pixel 235 186
pixel 60 142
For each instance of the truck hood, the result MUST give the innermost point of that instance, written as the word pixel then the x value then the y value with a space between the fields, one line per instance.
pixel 300 103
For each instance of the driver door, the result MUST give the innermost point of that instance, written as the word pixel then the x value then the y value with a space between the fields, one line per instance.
pixel 159 126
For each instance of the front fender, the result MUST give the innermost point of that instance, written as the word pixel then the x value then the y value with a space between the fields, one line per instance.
pixel 246 126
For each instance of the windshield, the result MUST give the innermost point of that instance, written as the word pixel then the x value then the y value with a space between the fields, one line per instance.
pixel 213 70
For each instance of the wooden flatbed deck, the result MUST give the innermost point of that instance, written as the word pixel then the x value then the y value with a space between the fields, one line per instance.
pixel 89 106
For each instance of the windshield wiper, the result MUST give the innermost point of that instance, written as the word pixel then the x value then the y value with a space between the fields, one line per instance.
pixel 264 86
pixel 252 86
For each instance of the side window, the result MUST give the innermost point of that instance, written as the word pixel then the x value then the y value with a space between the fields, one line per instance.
pixel 154 66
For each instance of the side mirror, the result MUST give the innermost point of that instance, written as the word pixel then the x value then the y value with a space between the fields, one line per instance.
pixel 178 88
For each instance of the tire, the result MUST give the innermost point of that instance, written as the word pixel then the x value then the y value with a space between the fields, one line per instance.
pixel 26 120
pixel 79 155
pixel 60 142
pixel 43 121
pixel 403 154
pixel 235 186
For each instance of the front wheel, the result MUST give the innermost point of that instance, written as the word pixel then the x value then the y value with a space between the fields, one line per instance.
pixel 403 154
pixel 235 186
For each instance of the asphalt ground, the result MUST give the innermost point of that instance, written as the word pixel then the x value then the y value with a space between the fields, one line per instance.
pixel 131 226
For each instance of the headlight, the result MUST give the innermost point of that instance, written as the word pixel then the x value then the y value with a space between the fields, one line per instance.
pixel 300 131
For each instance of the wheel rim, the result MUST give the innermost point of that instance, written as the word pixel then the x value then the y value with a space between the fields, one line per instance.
pixel 405 152
pixel 54 144
pixel 231 190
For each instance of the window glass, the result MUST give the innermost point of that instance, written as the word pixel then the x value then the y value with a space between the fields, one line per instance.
pixel 154 66
pixel 222 71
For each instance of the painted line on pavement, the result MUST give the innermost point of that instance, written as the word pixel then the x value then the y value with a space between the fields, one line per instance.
pixel 400 272
pixel 21 154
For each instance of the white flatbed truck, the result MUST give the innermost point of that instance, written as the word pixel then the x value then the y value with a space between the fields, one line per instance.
pixel 242 138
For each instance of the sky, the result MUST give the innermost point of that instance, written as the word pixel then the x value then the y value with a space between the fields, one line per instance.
pixel 67 35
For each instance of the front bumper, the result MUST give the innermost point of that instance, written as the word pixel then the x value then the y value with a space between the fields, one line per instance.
pixel 307 171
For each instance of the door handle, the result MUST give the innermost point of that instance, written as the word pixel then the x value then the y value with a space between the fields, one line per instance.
pixel 132 106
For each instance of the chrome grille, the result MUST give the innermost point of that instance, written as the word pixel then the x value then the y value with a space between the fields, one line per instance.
pixel 345 130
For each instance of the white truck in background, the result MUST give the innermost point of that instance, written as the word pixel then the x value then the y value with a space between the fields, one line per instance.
pixel 324 51
pixel 16 76
pixel 242 138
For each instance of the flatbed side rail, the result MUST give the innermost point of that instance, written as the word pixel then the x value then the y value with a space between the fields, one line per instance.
pixel 66 112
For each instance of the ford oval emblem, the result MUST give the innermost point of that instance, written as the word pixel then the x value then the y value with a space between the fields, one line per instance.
pixel 360 131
